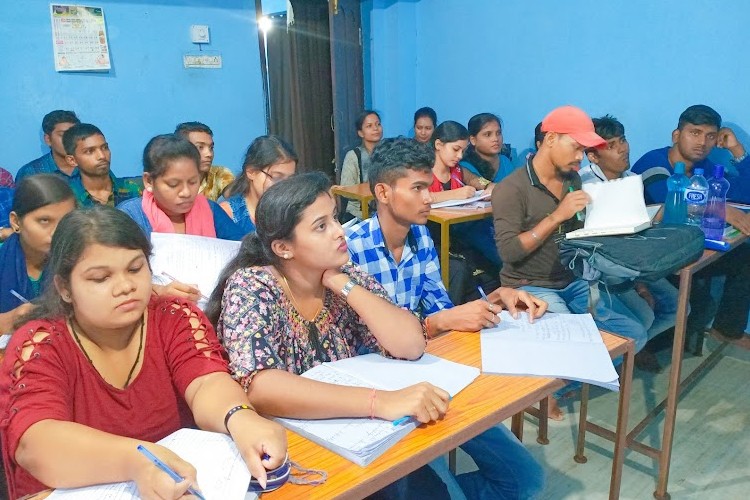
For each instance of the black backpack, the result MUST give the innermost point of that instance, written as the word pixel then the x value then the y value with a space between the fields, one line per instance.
pixel 618 261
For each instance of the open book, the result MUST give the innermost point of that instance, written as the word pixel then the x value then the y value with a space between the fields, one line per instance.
pixel 616 207
pixel 479 200
pixel 567 346
pixel 196 260
pixel 362 440
pixel 222 473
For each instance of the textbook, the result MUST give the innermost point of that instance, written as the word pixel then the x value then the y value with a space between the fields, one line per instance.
pixel 222 473
pixel 195 260
pixel 362 440
pixel 476 201
pixel 616 207
pixel 567 346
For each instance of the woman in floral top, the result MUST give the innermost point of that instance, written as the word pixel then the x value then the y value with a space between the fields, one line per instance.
pixel 290 300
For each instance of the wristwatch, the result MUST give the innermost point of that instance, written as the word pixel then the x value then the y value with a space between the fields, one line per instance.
pixel 484 182
pixel 348 288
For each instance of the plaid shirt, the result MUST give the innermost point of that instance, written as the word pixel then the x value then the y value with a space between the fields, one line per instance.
pixel 122 189
pixel 415 282
pixel 6 179
pixel 44 165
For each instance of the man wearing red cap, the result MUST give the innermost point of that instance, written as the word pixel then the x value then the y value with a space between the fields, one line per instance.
pixel 535 206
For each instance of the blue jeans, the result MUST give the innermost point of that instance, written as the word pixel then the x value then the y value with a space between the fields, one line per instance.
pixel 506 468
pixel 662 316
pixel 610 314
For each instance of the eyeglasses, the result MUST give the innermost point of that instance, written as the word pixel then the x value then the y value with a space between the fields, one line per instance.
pixel 275 177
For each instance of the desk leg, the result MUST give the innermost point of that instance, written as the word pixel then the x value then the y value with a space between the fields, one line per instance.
pixel 516 425
pixel 365 206
pixel 541 437
pixel 673 393
pixel 621 432
pixel 579 457
pixel 445 244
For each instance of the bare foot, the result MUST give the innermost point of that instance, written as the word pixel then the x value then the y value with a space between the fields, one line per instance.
pixel 554 411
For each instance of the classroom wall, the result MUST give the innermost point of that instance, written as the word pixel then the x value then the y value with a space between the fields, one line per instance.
pixel 640 60
pixel 147 92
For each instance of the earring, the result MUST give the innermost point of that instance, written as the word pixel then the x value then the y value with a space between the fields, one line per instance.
pixel 149 189
pixel 286 256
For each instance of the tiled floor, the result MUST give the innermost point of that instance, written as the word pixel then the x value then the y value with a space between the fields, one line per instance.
pixel 711 453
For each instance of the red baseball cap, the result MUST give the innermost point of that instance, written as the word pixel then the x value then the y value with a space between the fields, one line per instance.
pixel 575 123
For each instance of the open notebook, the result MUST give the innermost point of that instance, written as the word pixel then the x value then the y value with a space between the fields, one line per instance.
pixel 362 440
pixel 566 346
pixel 481 199
pixel 616 207
pixel 222 473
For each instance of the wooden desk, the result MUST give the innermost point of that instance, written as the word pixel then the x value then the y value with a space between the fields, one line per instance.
pixel 664 455
pixel 487 401
pixel 358 192
pixel 446 217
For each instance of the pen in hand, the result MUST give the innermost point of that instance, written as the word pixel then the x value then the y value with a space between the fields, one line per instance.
pixel 19 296
pixel 164 467
pixel 169 276
pixel 579 215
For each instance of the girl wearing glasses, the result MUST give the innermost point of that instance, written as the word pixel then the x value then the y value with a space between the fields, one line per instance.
pixel 268 160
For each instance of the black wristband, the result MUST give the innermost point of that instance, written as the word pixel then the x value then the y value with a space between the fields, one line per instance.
pixel 232 412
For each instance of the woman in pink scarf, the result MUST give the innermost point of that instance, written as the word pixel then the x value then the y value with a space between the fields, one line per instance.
pixel 171 203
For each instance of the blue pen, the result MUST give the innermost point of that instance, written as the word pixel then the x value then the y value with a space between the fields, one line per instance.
pixel 481 292
pixel 403 420
pixel 19 296
pixel 176 477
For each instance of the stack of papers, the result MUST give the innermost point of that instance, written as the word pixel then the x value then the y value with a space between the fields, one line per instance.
pixel 616 207
pixel 567 346
pixel 222 473
pixel 479 200
pixel 194 260
pixel 362 440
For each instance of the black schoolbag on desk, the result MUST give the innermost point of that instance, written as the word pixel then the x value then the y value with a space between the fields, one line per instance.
pixel 618 261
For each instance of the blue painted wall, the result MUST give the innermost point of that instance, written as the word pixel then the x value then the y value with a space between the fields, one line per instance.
pixel 147 92
pixel 641 60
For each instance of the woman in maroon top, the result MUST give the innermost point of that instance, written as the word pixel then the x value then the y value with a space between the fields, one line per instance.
pixel 103 367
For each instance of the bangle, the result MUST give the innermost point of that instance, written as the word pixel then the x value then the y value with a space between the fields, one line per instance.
pixel 232 412
pixel 373 395
pixel 534 235
pixel 348 288
pixel 739 158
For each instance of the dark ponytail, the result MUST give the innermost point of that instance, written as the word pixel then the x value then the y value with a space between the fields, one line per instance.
pixel 279 211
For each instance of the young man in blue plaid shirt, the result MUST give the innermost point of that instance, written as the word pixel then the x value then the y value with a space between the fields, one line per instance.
pixel 395 247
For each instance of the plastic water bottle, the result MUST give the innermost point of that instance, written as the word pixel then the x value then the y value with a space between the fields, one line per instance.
pixel 715 214
pixel 675 209
pixel 696 196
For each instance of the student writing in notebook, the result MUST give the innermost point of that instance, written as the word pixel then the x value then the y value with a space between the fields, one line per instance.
pixel 88 151
pixel 449 141
pixel 655 303
pixel 40 201
pixel 102 365
pixel 171 203
pixel 268 160
pixel 536 205
pixel 290 301
pixel 395 247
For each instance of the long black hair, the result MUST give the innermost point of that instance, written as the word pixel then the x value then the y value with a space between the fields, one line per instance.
pixel 264 152
pixel 449 131
pixel 475 125
pixel 77 231
pixel 279 211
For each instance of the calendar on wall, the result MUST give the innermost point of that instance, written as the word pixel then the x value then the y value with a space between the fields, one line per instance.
pixel 79 38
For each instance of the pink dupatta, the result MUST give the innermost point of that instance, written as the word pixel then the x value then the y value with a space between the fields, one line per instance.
pixel 199 221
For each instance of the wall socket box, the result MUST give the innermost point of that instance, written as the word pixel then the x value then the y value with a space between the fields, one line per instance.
pixel 199 33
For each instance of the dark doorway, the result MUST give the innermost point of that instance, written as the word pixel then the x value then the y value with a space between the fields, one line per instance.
pixel 314 86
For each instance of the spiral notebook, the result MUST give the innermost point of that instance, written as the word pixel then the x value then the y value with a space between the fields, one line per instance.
pixel 616 207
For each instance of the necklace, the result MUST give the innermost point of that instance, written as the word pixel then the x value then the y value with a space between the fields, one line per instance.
pixel 137 356
pixel 294 299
